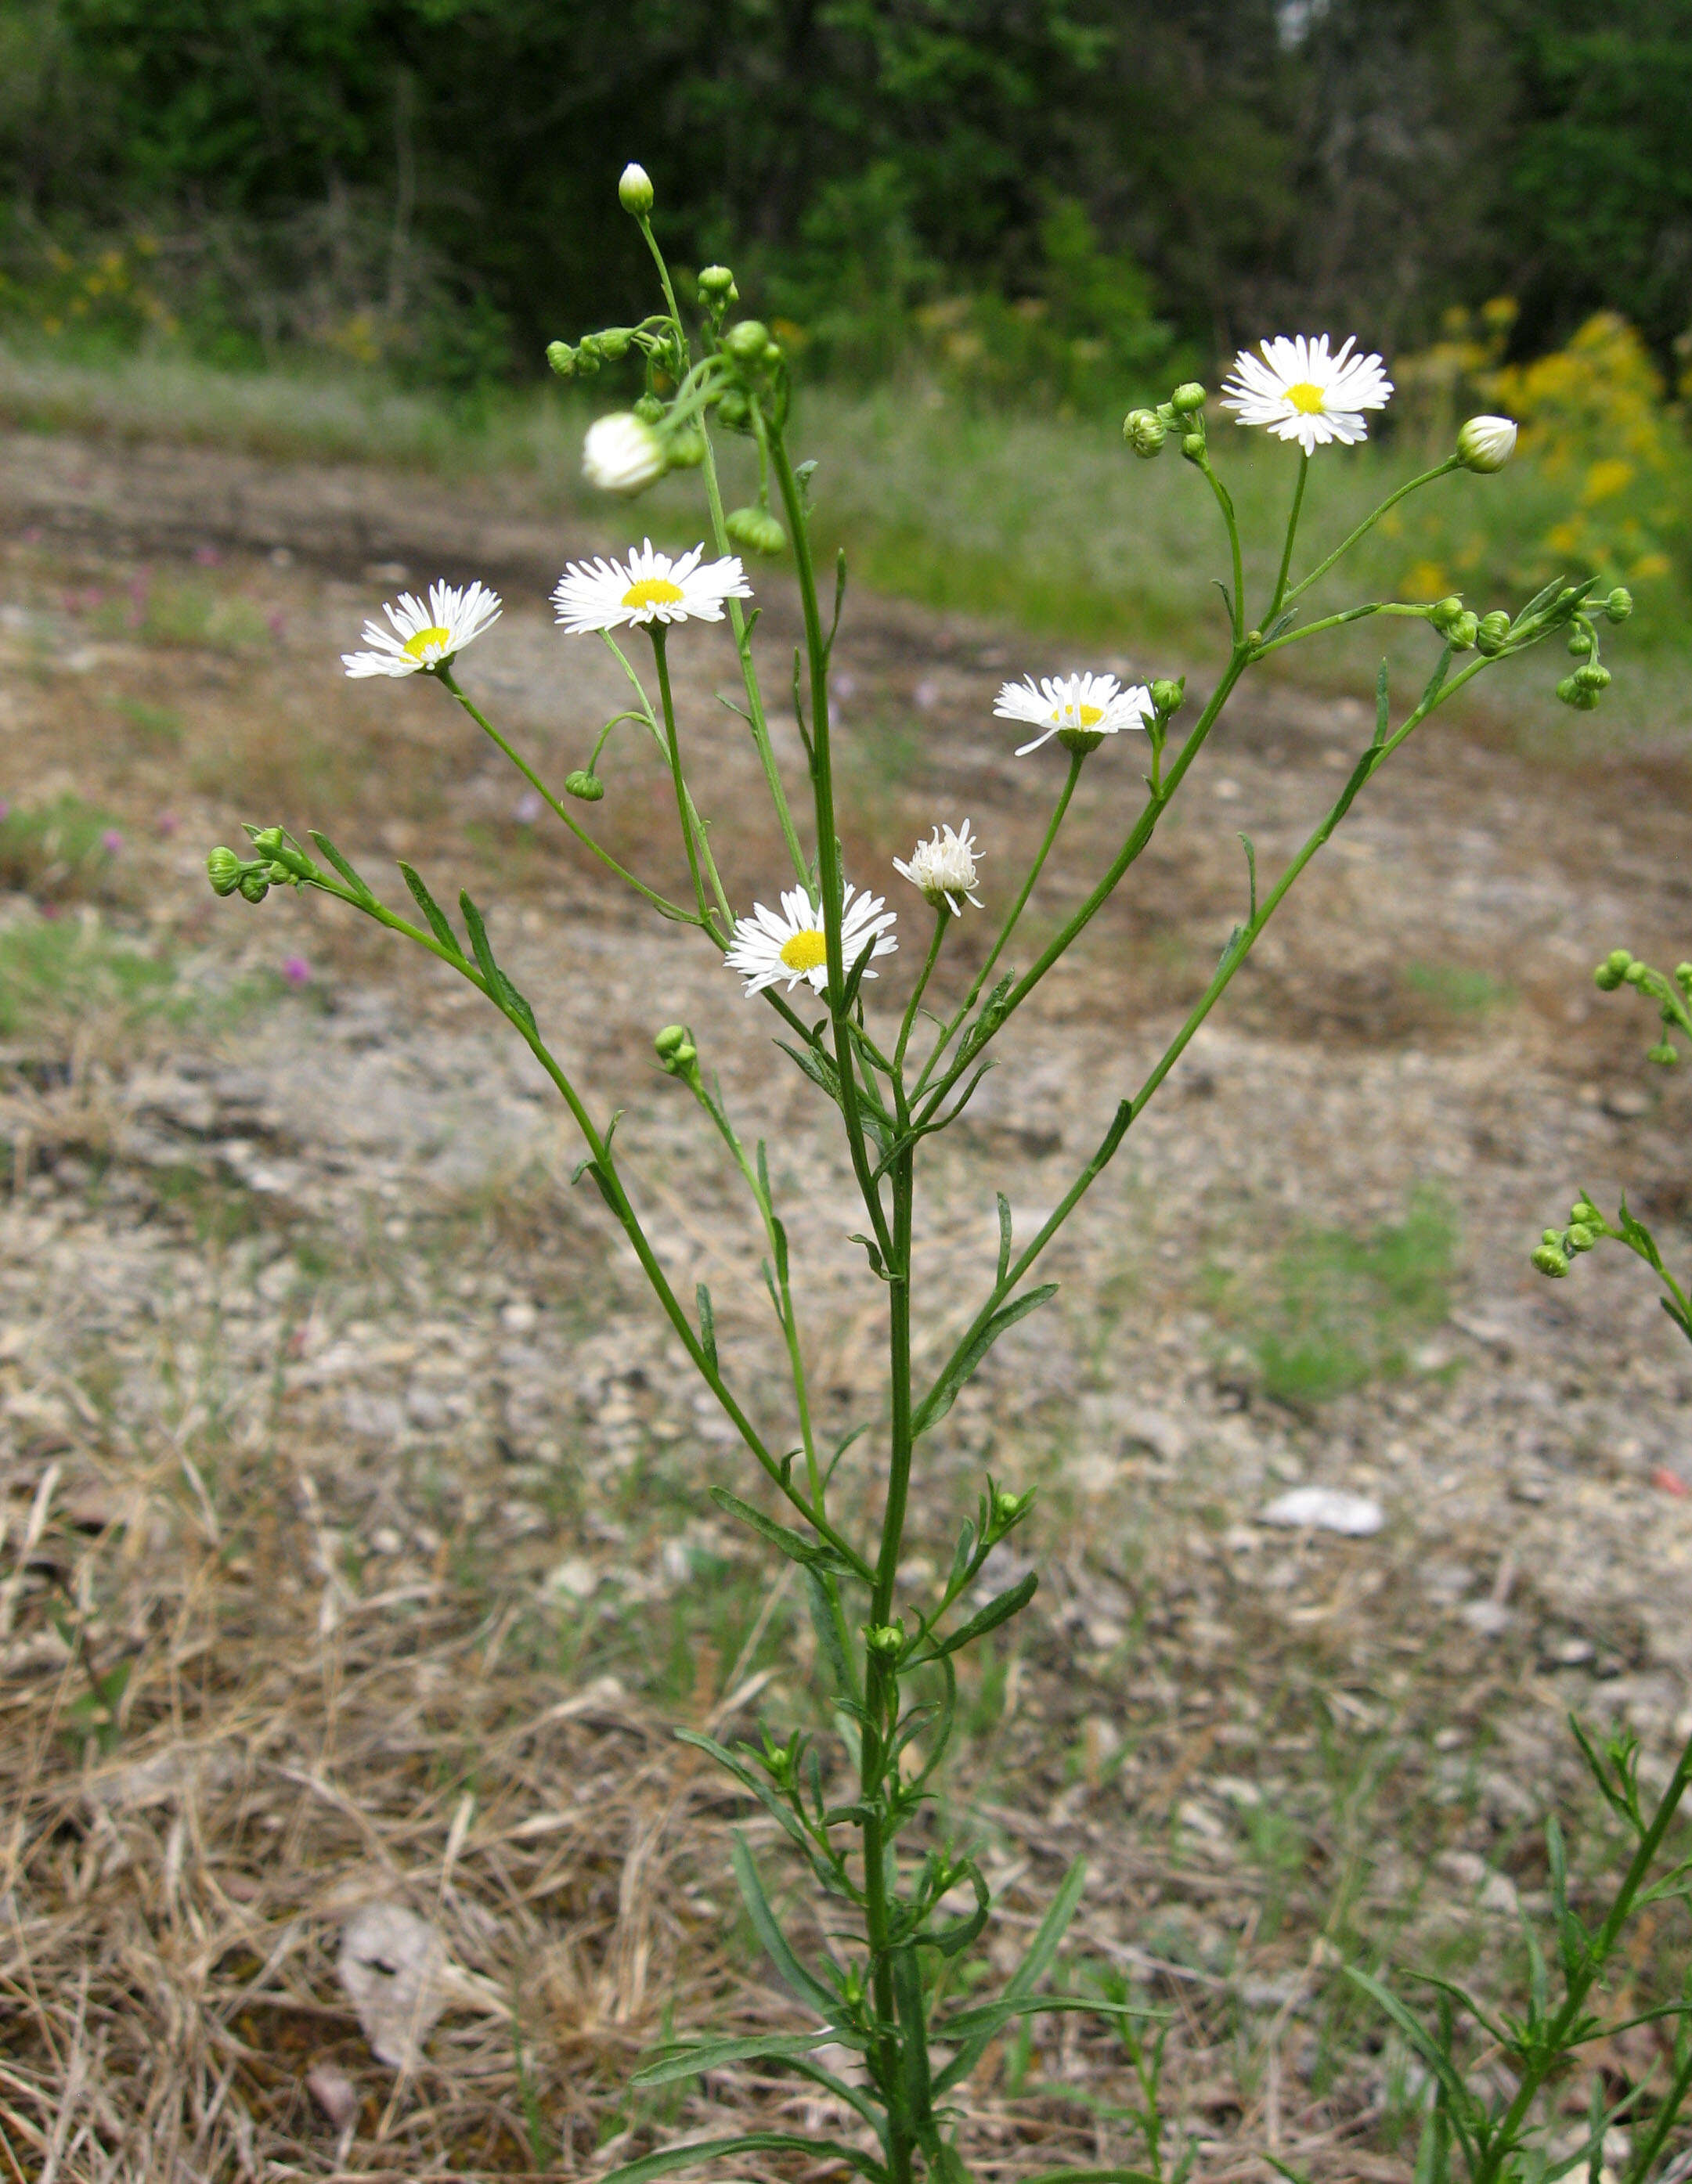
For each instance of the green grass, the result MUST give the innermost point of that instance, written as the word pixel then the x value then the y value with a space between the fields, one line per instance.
pixel 54 969
pixel 1457 988
pixel 1046 522
pixel 1332 1310
pixel 63 850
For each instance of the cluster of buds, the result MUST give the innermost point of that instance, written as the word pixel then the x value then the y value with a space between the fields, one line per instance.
pixel 280 862
pixel 1146 429
pixel 1621 968
pixel 1582 687
pixel 1557 1246
pixel 677 1052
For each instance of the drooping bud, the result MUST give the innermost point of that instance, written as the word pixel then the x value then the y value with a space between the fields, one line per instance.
pixel 1580 643
pixel 747 341
pixel 1187 396
pixel 1594 676
pixel 622 453
pixel 1636 972
pixel 669 1040
pixel 562 358
pixel 1550 1260
pixel 1491 633
pixel 1583 1214
pixel 686 448
pixel 1576 694
pixel 1486 443
pixel 588 787
pixel 755 529
pixel 1145 432
pixel 1619 604
pixel 1612 970
pixel 614 343
pixel 253 885
pixel 735 411
pixel 1579 1237
pixel 634 190
pixel 223 870
pixel 1665 1054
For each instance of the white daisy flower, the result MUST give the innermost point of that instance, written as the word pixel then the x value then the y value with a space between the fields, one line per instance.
pixel 1302 393
pixel 622 453
pixel 1487 444
pixel 944 868
pixel 768 948
pixel 1089 706
pixel 601 595
pixel 424 637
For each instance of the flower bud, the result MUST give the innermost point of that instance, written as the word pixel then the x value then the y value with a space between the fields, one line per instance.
pixel 747 341
pixel 634 190
pixel 1577 694
pixel 1443 612
pixel 649 410
pixel 1549 1260
pixel 588 787
pixel 1486 443
pixel 686 449
pixel 1594 676
pixel 886 1639
pixel 1612 970
pixel 1683 977
pixel 1637 972
pixel 1145 432
pixel 1491 633
pixel 562 358
pixel 1007 1508
pixel 1665 1054
pixel 1187 396
pixel 1583 1214
pixel 614 343
pixel 1579 1237
pixel 1192 446
pixel 672 1037
pixel 717 285
pixel 1168 697
pixel 755 529
pixel 1619 604
pixel 735 410
pixel 267 840
pixel 1580 643
pixel 1463 632
pixel 223 870
pixel 622 453
pixel 253 885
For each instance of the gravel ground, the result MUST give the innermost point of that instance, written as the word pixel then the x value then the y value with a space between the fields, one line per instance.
pixel 329 1405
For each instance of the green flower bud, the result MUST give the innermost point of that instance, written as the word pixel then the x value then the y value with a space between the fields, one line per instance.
pixel 1683 977
pixel 1577 694
pixel 717 285
pixel 1637 972
pixel 1145 432
pixel 1619 604
pixel 686 449
pixel 252 884
pixel 1463 632
pixel 562 358
pixel 1550 1261
pixel 672 1037
pixel 1583 1214
pixel 1443 612
pixel 1007 1508
pixel 747 342
pixel 267 840
pixel 614 343
pixel 1579 1237
pixel 587 786
pixel 649 410
pixel 1491 633
pixel 1486 443
pixel 1187 396
pixel 1580 643
pixel 1192 446
pixel 1594 676
pixel 634 190
pixel 1169 697
pixel 1612 970
pixel 1665 1054
pixel 755 529
pixel 886 1639
pixel 735 410
pixel 223 870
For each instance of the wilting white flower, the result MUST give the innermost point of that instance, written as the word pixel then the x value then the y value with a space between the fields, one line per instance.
pixel 1487 444
pixel 768 948
pixel 1085 705
pixel 622 453
pixel 425 636
pixel 944 868
pixel 649 588
pixel 1302 393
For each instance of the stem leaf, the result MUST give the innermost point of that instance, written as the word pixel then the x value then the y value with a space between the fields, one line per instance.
pixel 687 2059
pixel 692 2152
pixel 998 1610
pixel 432 911
pixel 805 1983
pixel 359 886
pixel 944 1394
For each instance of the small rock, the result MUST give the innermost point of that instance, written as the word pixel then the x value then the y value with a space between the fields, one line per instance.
pixel 1491 1619
pixel 1325 1509
pixel 390 1965
pixel 334 2093
pixel 575 1578
pixel 1626 1102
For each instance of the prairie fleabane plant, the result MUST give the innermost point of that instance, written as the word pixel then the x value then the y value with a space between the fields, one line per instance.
pixel 906 1907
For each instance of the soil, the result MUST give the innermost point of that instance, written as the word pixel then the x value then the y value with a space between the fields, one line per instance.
pixel 358 1546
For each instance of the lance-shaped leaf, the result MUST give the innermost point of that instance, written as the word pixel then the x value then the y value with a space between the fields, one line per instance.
pixel 749 1779
pixel 360 890
pixel 1027 1975
pixel 794 1545
pixel 687 2059
pixel 943 1393
pixel 438 923
pixel 1000 1609
pixel 499 987
pixel 804 1983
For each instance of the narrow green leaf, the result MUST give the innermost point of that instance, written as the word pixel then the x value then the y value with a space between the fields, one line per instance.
pixel 1004 1241
pixel 817 1066
pixel 944 1394
pixel 1028 1974
pixel 668 2158
pixel 749 1779
pixel 358 886
pixel 998 1610
pixel 707 1325
pixel 687 2061
pixel 909 2003
pixel 1382 710
pixel 805 1983
pixel 826 1628
pixel 432 911
pixel 792 1544
pixel 1437 2059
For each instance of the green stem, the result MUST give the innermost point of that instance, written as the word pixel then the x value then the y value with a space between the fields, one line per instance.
pixel 941 915
pixel 664 907
pixel 694 833
pixel 1292 533
pixel 830 880
pixel 1224 502
pixel 1337 621
pixel 1077 759
pixel 1440 470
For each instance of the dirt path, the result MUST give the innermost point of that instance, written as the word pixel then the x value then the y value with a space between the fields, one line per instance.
pixel 333 1411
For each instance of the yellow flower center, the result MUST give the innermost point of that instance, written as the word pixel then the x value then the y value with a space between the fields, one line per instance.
pixel 653 592
pixel 1306 399
pixel 804 951
pixel 1089 716
pixel 419 645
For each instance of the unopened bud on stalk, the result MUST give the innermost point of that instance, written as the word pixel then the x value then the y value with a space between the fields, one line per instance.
pixel 1665 1054
pixel 1580 643
pixel 649 410
pixel 1491 633
pixel 1637 972
pixel 676 1050
pixel 634 190
pixel 747 341
pixel 1463 632
pixel 1612 970
pixel 1619 604
pixel 1583 1214
pixel 223 870
pixel 1192 446
pixel 886 1639
pixel 1168 697
pixel 614 343
pixel 622 453
pixel 1579 1237
pixel 755 529
pixel 1550 1260
pixel 1187 396
pixel 562 358
pixel 588 787
pixel 1007 1508
pixel 1145 432
pixel 735 410
pixel 717 285
pixel 1573 692
pixel 254 886
pixel 1444 612
pixel 1594 676
pixel 686 450
pixel 1486 443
